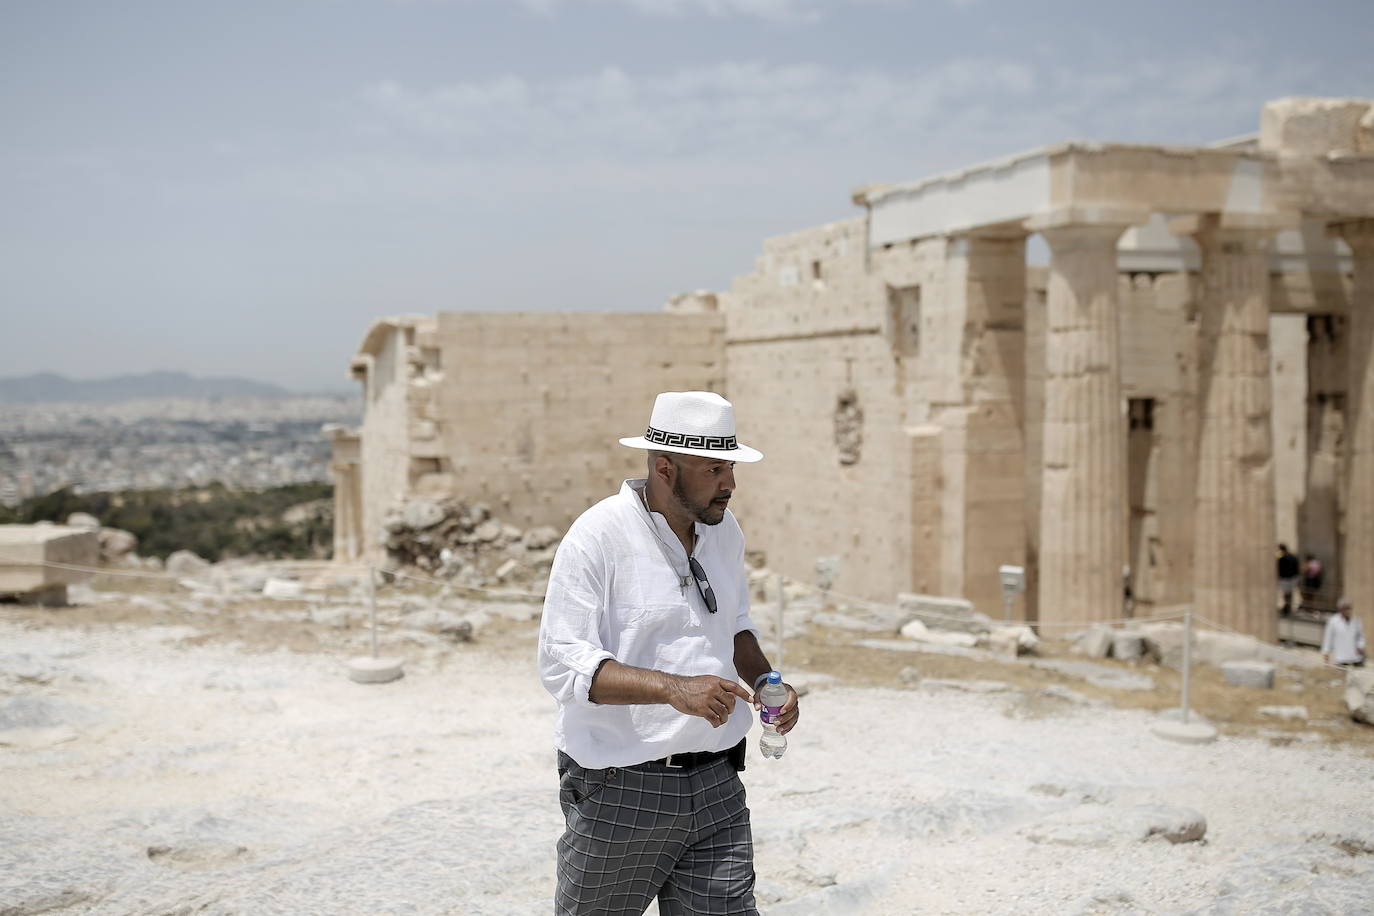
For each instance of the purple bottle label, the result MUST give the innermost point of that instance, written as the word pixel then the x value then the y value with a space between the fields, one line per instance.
pixel 768 715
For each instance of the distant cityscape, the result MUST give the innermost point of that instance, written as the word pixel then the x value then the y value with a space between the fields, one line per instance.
pixel 167 442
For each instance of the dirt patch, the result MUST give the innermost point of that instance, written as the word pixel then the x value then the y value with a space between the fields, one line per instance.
pixel 1233 710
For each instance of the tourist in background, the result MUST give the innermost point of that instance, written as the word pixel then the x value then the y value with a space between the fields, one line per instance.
pixel 1311 577
pixel 1288 577
pixel 1343 641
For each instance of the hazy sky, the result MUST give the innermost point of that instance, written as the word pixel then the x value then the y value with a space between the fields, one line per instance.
pixel 241 187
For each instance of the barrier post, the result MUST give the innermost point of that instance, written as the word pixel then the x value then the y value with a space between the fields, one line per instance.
pixel 372 606
pixel 1187 658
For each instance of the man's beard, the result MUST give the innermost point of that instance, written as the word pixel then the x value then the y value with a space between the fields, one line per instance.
pixel 708 514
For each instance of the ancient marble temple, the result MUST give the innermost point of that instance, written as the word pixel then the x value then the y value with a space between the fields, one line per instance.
pixel 1108 363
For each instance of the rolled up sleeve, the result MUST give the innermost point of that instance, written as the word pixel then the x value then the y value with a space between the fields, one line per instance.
pixel 570 643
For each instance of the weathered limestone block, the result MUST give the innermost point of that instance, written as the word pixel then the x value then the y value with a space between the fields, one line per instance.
pixel 83 520
pixel 1095 643
pixel 692 303
pixel 944 613
pixel 421 513
pixel 1249 674
pixel 1127 645
pixel 1213 648
pixel 185 564
pixel 918 631
pixel 914 629
pixel 444 623
pixel 1359 695
pixel 25 549
pixel 283 589
pixel 1016 640
pixel 1164 642
pixel 1313 126
pixel 116 544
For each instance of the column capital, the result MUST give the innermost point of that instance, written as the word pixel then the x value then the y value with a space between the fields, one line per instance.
pixel 1000 232
pixel 1081 216
pixel 1357 233
pixel 1229 222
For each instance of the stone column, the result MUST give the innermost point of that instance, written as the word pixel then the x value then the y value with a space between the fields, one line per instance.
pixel 987 284
pixel 346 465
pixel 1357 555
pixel 1083 480
pixel 1234 542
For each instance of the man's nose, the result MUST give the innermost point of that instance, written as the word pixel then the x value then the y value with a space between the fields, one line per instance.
pixel 727 480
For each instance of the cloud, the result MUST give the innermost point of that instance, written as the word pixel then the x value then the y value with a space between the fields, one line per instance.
pixel 779 11
pixel 727 109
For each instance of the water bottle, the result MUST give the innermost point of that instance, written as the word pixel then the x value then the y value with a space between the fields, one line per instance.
pixel 772 695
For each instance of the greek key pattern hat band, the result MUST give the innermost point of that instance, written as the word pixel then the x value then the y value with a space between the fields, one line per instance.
pixel 681 440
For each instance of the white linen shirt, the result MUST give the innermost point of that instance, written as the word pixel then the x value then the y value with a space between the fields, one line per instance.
pixel 613 594
pixel 1343 639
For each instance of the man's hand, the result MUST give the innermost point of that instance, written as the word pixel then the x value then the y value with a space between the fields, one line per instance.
pixel 713 698
pixel 787 717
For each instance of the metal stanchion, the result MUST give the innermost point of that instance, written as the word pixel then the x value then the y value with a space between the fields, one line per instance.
pixel 372 607
pixel 1184 729
pixel 374 669
pixel 1187 662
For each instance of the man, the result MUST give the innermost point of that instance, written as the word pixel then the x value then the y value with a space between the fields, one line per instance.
pixel 645 637
pixel 1343 639
pixel 1287 568
pixel 1311 578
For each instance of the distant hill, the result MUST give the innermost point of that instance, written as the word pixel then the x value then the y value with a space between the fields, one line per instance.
pixel 47 387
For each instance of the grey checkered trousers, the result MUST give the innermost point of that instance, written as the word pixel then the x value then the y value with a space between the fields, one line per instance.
pixel 649 831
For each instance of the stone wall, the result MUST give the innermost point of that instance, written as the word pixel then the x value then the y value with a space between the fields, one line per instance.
pixel 385 440
pixel 818 389
pixel 530 405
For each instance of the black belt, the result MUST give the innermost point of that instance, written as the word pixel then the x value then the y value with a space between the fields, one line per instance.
pixel 693 759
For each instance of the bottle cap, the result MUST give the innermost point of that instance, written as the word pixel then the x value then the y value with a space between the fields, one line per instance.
pixel 774 677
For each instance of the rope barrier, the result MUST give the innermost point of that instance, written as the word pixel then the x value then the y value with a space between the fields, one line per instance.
pixel 1219 626
pixel 128 573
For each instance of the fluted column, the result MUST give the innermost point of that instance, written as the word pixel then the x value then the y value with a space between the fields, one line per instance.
pixel 1233 546
pixel 987 282
pixel 1357 553
pixel 1083 479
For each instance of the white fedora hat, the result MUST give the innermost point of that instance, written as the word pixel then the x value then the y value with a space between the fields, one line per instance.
pixel 693 423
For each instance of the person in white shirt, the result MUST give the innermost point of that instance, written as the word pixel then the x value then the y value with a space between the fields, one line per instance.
pixel 645 638
pixel 1343 639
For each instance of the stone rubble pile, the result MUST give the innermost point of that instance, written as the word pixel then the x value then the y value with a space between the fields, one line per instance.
pixel 462 542
pixel 117 546
pixel 953 622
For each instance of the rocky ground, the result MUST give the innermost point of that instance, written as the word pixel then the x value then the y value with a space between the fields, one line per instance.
pixel 168 749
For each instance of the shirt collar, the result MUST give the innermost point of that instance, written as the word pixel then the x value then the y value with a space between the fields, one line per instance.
pixel 631 490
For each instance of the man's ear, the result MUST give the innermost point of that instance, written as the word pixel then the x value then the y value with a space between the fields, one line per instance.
pixel 664 469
